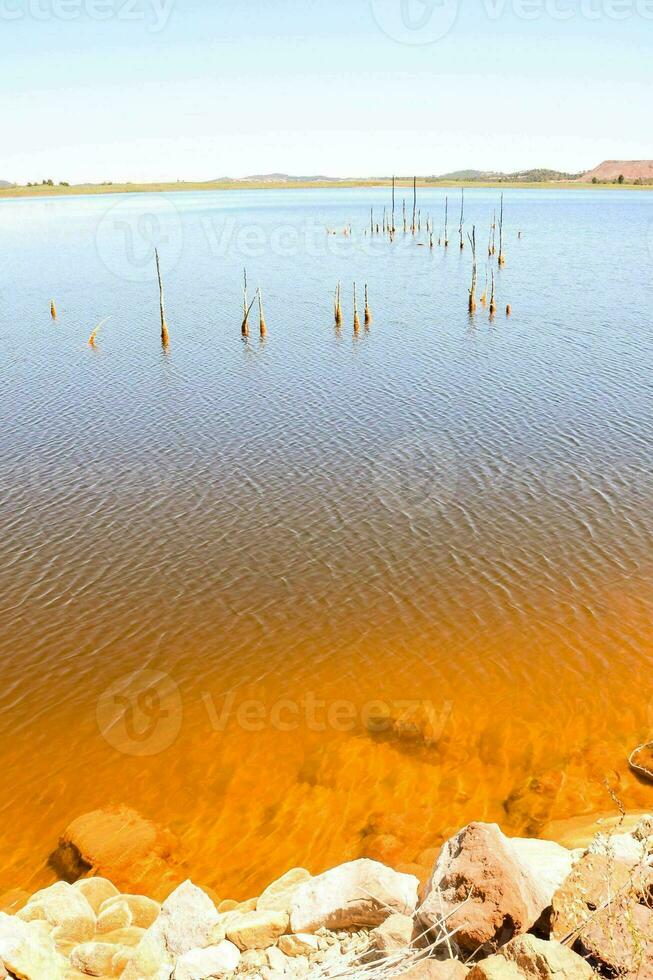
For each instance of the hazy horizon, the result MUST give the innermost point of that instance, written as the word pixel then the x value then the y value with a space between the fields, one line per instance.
pixel 150 90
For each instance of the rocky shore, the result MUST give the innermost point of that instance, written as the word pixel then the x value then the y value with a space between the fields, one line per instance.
pixel 492 908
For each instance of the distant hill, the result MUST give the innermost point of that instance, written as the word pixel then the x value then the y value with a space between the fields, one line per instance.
pixel 611 170
pixel 527 176
pixel 6 183
pixel 279 178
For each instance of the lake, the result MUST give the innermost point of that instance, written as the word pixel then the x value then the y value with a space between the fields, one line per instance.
pixel 324 595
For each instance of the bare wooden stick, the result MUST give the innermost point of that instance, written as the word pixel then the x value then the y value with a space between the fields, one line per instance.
pixel 368 314
pixel 414 201
pixel 508 309
pixel 484 296
pixel 357 322
pixel 372 220
pixel 462 219
pixel 91 339
pixel 165 336
pixel 393 205
pixel 472 288
pixel 502 258
pixel 244 327
pixel 446 222
pixel 337 307
pixel 53 310
pixel 493 304
pixel 404 210
pixel 263 329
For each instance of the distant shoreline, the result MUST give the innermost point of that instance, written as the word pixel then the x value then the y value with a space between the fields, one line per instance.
pixel 47 190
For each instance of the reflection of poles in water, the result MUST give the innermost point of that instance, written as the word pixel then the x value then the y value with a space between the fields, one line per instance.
pixel 368 314
pixel 357 322
pixel 165 336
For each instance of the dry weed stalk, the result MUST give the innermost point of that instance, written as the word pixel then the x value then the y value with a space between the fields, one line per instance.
pixel 165 336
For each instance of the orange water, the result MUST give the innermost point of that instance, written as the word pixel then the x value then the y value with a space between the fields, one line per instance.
pixel 378 587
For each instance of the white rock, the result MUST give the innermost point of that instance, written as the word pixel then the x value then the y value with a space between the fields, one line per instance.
pixel 63 906
pixel 278 896
pixel 622 847
pixel 28 951
pixel 359 893
pixel 256 930
pixel 96 891
pixel 546 862
pixel 300 944
pixel 214 961
pixel 94 959
pixel 188 920
pixel 144 911
pixel 116 916
pixel 276 960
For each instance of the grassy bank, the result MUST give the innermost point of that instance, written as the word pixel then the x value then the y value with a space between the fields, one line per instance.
pixel 47 190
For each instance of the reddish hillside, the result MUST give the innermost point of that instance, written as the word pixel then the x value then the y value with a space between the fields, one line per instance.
pixel 612 169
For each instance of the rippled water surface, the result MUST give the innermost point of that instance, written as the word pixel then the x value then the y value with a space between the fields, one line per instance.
pixel 325 595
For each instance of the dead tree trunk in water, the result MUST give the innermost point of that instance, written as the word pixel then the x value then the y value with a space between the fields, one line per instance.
pixel 462 219
pixel 472 289
pixel 393 205
pixel 165 336
pixel 446 222
pixel 357 322
pixel 414 201
pixel 502 258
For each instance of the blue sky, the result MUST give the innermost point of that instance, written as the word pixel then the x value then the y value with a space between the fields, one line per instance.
pixel 196 89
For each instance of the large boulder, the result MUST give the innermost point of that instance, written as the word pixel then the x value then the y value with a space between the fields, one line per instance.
pixel 529 958
pixel 278 896
pixel 188 920
pixel 619 939
pixel 490 888
pixel 64 907
pixel 357 894
pixel 593 882
pixel 28 951
pixel 121 845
